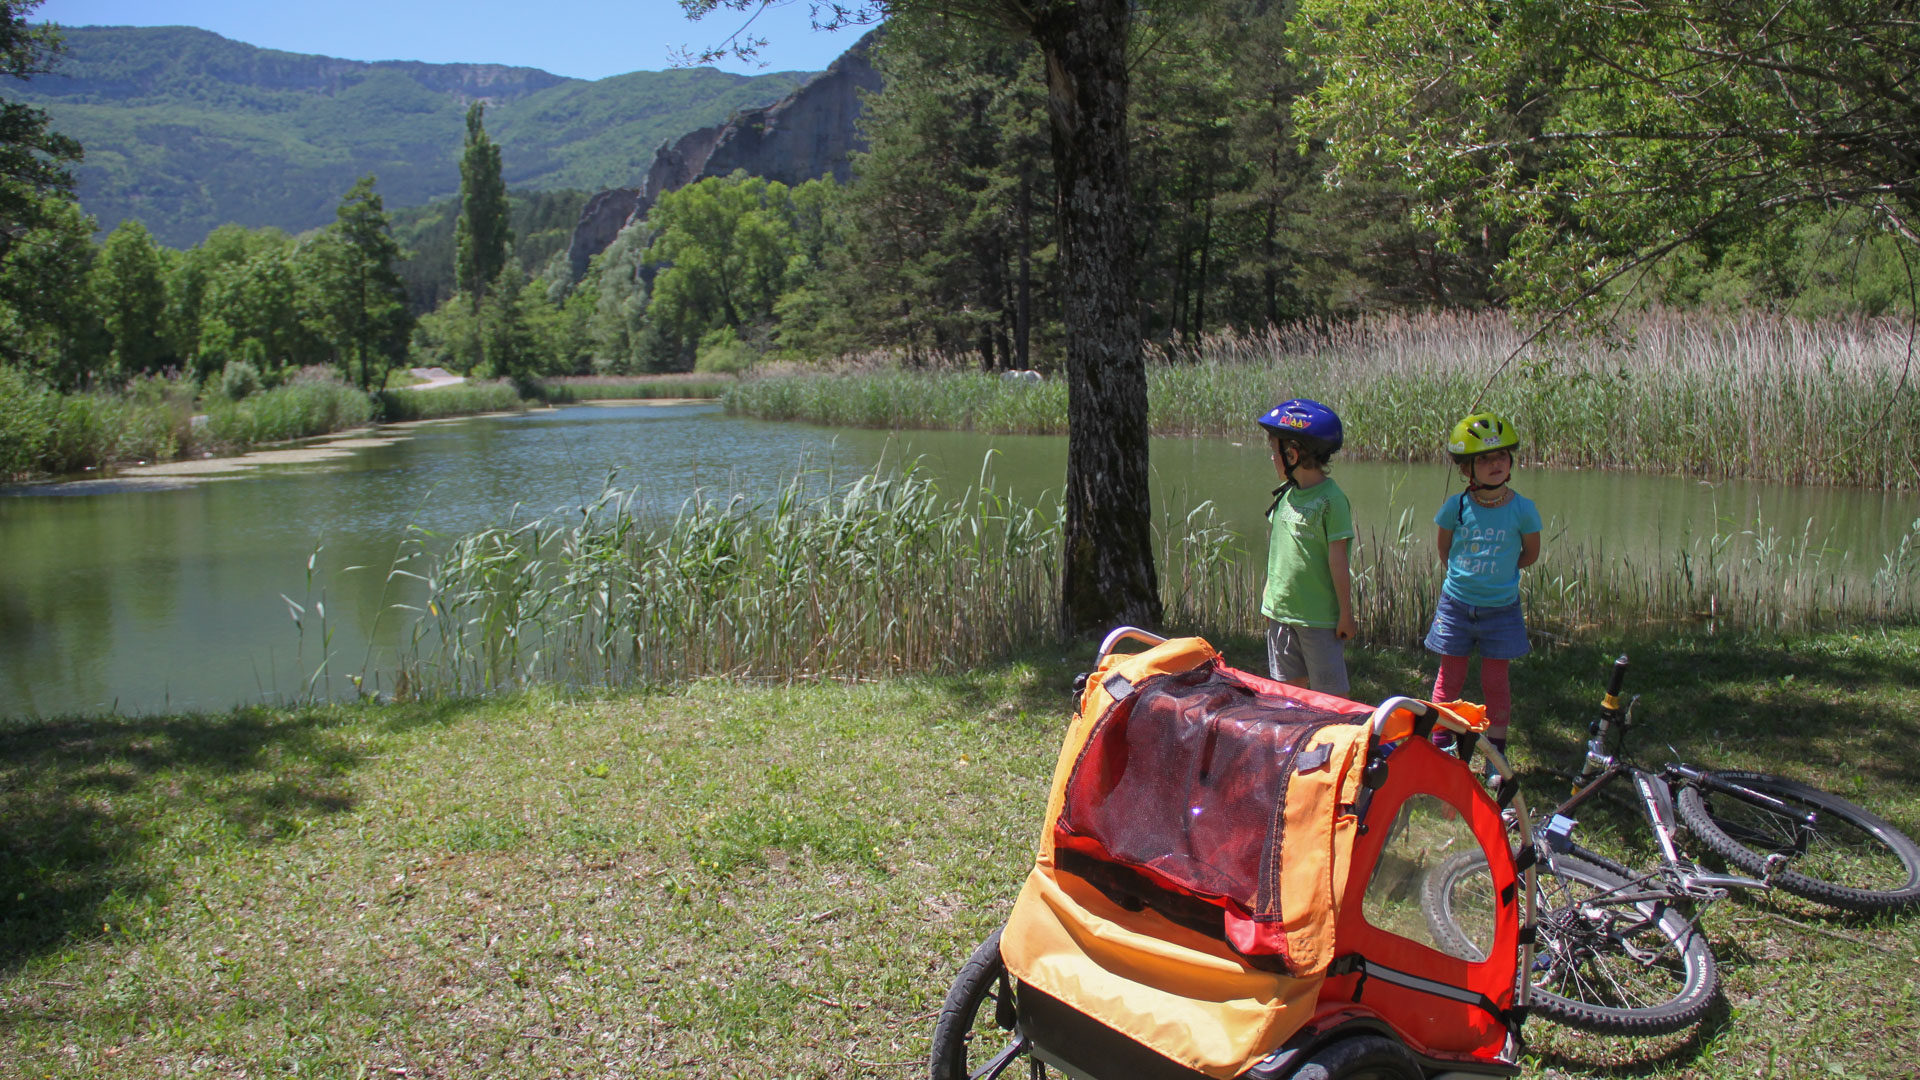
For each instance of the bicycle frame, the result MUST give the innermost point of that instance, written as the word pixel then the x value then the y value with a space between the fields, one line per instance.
pixel 1655 791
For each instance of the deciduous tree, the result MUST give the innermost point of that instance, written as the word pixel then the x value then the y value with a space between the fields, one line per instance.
pixel 353 290
pixel 34 159
pixel 1613 132
pixel 129 285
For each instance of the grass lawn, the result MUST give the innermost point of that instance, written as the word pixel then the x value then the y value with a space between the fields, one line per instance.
pixel 731 881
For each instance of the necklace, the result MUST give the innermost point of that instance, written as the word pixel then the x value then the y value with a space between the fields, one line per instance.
pixel 1498 497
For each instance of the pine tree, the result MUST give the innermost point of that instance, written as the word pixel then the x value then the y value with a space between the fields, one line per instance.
pixel 484 232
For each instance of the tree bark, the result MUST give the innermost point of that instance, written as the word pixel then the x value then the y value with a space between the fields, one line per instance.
pixel 1108 574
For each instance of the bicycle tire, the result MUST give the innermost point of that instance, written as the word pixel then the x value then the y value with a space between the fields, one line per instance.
pixel 982 982
pixel 1856 862
pixel 1584 975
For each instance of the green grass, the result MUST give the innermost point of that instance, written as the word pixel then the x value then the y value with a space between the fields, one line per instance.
pixel 1826 403
pixel 735 880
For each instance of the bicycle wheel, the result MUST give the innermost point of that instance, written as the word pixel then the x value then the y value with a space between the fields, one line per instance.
pixel 1456 897
pixel 1854 861
pixel 1600 964
pixel 974 1036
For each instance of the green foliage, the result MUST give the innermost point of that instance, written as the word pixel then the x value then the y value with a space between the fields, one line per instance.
pixel 721 352
pixel 239 379
pixel 312 403
pixel 541 222
pixel 34 159
pixel 482 236
pixel 129 285
pixel 354 291
pixel 49 322
pixel 1613 136
pixel 218 131
pixel 25 422
pixel 722 250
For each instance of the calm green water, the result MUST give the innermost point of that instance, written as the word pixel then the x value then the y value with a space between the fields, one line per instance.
pixel 146 600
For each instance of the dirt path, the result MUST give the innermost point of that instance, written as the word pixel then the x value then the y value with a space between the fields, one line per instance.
pixel 435 377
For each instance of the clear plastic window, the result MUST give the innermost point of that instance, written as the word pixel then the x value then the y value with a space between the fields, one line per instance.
pixel 1431 884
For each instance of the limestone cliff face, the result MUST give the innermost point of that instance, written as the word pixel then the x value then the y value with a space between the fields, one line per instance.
pixel 808 134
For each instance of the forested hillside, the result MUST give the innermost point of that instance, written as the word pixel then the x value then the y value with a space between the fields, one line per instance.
pixel 186 130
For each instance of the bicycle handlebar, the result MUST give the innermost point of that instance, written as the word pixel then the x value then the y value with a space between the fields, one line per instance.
pixel 1619 676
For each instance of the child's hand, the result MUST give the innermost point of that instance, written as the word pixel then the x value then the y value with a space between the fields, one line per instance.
pixel 1346 629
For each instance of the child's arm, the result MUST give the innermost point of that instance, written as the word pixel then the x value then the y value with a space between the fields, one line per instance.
pixel 1446 544
pixel 1529 549
pixel 1342 573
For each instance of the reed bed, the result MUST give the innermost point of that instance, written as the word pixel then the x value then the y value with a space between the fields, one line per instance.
pixel 888 576
pixel 42 431
pixel 301 409
pixel 1834 402
pixel 566 389
pixel 964 400
pixel 885 576
pixel 461 399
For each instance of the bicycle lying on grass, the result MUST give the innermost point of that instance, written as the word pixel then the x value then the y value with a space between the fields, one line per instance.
pixel 1619 950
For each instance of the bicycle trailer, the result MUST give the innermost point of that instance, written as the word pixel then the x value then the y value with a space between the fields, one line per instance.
pixel 1232 880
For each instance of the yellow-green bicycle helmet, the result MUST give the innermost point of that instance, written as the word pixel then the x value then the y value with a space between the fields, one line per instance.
pixel 1480 433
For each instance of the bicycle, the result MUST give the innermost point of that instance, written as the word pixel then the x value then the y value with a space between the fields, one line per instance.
pixel 1618 950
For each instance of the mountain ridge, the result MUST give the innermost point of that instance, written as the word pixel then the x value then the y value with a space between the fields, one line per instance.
pixel 187 130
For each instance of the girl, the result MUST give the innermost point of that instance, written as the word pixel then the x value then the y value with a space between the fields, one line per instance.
pixel 1487 534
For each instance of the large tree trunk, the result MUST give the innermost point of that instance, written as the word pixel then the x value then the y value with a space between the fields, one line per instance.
pixel 1108 577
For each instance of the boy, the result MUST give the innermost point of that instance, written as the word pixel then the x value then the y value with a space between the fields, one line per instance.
pixel 1308 600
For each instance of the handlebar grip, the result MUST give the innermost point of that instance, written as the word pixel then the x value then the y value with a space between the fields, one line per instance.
pixel 1619 676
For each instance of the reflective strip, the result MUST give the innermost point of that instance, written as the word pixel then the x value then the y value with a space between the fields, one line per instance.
pixel 1117 686
pixel 1409 981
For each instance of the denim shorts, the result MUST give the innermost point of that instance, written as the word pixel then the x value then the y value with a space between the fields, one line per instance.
pixel 1500 633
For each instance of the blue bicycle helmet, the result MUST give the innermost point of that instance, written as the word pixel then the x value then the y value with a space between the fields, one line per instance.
pixel 1305 420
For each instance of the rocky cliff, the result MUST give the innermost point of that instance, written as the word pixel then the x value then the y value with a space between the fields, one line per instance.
pixel 808 134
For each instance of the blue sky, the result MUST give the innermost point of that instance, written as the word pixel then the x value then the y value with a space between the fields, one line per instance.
pixel 585 39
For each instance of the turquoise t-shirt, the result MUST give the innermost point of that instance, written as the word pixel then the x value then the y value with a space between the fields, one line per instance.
pixel 1483 569
pixel 1305 522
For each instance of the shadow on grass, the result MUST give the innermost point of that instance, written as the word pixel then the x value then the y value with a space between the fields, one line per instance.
pixel 94 813
pixel 1734 703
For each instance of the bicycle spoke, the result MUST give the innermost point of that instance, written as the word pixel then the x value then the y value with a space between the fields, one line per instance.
pixel 1837 851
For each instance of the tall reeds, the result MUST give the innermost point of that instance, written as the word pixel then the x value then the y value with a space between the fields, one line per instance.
pixel 463 399
pixel 304 407
pixel 566 389
pixel 1834 402
pixel 883 576
pixel 886 575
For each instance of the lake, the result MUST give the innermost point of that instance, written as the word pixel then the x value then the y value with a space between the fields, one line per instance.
pixel 133 599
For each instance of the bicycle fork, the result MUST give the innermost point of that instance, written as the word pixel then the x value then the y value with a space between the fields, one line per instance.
pixel 1805 823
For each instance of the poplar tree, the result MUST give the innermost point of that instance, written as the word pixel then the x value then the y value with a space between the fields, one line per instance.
pixel 483 233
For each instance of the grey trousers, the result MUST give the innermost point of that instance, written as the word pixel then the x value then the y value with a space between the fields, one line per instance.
pixel 1309 656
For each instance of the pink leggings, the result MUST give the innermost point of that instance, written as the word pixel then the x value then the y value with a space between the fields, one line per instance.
pixel 1493 684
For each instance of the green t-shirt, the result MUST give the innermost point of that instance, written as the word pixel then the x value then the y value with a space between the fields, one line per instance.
pixel 1303 525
